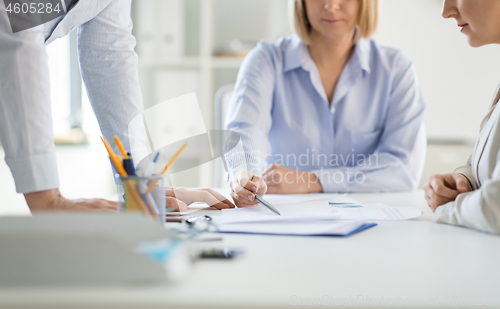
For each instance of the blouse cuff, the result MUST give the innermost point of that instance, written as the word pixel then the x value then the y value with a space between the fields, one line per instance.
pixel 444 214
pixel 467 172
pixel 34 173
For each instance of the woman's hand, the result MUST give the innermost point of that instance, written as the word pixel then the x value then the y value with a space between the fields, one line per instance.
pixel 52 200
pixel 441 189
pixel 282 180
pixel 245 186
pixel 179 198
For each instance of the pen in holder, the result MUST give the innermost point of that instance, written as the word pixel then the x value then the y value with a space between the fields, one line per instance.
pixel 144 195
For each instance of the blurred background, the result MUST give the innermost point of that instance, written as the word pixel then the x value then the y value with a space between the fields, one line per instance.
pixel 198 45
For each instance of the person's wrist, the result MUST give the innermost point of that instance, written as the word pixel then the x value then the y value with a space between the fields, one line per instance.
pixel 468 181
pixel 314 185
pixel 42 200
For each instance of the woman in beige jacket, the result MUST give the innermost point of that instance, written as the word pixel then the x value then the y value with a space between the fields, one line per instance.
pixel 470 197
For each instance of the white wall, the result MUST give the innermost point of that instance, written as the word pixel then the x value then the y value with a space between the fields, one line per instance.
pixel 457 81
pixel 250 21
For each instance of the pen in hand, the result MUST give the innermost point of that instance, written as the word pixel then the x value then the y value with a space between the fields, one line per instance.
pixel 267 204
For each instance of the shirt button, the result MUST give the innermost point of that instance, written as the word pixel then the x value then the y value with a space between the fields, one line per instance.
pixel 332 110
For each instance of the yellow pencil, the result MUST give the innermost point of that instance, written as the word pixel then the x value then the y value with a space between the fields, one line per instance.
pixel 133 194
pixel 116 160
pixel 169 164
pixel 120 147
pixel 174 158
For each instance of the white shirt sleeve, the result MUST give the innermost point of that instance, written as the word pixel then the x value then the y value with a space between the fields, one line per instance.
pixel 466 170
pixel 109 67
pixel 110 71
pixel 478 209
pixel 25 110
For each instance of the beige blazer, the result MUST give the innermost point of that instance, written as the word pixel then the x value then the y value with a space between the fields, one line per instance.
pixel 480 208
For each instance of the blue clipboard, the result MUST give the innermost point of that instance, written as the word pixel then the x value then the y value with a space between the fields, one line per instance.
pixel 359 229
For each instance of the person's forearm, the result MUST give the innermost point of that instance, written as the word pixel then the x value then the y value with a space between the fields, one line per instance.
pixel 109 67
pixel 52 200
pixel 43 200
pixel 478 209
pixel 249 154
pixel 25 114
pixel 313 183
pixel 387 173
pixel 466 170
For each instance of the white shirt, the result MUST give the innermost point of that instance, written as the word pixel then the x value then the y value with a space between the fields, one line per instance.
pixel 109 69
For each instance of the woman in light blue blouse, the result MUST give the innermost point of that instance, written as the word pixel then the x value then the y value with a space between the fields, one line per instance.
pixel 326 109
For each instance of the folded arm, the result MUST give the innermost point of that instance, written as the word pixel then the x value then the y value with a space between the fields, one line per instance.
pixel 478 209
pixel 466 170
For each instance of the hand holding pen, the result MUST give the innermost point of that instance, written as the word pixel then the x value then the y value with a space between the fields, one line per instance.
pixel 244 188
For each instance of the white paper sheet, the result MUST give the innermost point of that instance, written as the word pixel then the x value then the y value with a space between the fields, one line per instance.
pixel 304 211
pixel 342 200
pixel 298 198
pixel 311 228
pixel 374 212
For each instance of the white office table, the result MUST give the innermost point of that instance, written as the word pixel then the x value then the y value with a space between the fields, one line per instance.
pixel 412 263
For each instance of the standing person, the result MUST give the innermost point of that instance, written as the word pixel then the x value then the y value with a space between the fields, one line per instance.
pixel 109 69
pixel 470 196
pixel 329 108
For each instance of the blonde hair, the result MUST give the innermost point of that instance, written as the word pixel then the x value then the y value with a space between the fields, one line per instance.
pixel 367 21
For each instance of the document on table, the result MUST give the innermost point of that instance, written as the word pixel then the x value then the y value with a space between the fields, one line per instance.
pixel 290 212
pixel 309 218
pixel 374 212
pixel 276 199
pixel 309 228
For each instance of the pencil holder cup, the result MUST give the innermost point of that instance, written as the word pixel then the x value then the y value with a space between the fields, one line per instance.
pixel 144 195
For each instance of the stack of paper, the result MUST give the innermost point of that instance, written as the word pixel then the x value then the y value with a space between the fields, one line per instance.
pixel 303 228
pixel 303 211
pixel 297 198
pixel 349 209
pixel 310 218
pixel 374 212
pixel 310 214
